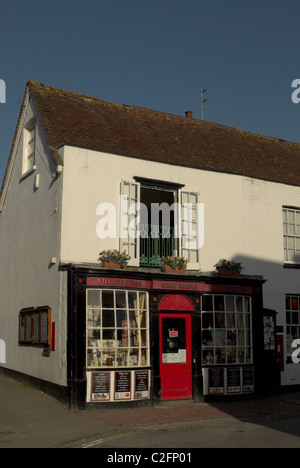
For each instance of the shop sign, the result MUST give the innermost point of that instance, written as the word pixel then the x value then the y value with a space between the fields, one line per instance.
pixel 168 285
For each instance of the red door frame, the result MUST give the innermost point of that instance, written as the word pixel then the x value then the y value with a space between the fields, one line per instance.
pixel 176 378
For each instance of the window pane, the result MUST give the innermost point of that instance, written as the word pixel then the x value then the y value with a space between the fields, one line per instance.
pixel 109 338
pixel 239 304
pixel 28 327
pixel 207 303
pixel 230 320
pixel 108 299
pixel 142 299
pixel 121 300
pixel 22 327
pixel 94 298
pixel 37 328
pixel 143 323
pixel 219 303
pixel 230 304
pixel 121 318
pixel 94 318
pixel 108 318
pixel 220 320
pixel 132 300
pixel 207 320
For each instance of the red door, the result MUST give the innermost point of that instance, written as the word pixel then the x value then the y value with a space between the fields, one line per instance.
pixel 175 356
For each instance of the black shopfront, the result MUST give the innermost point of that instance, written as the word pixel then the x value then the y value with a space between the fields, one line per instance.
pixel 142 336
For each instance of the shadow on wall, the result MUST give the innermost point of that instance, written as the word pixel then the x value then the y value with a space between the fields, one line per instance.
pixel 281 279
pixel 279 412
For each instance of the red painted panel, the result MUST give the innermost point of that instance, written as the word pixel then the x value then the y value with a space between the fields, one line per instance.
pixel 176 302
pixel 175 356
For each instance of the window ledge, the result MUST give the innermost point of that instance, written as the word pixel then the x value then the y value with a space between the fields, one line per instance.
pixel 295 266
pixel 28 173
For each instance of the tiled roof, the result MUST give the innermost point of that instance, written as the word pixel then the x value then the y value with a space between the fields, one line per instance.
pixel 79 120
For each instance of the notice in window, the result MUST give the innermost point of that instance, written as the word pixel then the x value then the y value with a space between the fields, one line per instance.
pixel 123 386
pixel 216 381
pixel 141 385
pixel 248 380
pixel 179 357
pixel 233 380
pixel 100 386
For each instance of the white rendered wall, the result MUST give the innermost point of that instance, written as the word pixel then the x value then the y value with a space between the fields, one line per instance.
pixel 243 219
pixel 29 237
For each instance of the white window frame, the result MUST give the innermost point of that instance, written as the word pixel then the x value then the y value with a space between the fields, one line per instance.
pixel 292 321
pixel 211 350
pixel 98 349
pixel 291 235
pixel 188 229
pixel 29 145
pixel 129 231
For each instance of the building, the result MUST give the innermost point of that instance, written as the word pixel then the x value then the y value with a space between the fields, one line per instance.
pixel 103 335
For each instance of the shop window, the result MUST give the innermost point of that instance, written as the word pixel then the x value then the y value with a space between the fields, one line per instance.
pixel 291 234
pixel 117 329
pixel 35 326
pixel 226 330
pixel 292 323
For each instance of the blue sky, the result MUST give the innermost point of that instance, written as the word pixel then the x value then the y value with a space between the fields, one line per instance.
pixel 158 54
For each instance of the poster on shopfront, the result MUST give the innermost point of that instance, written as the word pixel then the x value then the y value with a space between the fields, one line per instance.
pixel 100 386
pixel 248 380
pixel 141 388
pixel 122 385
pixel 216 381
pixel 233 380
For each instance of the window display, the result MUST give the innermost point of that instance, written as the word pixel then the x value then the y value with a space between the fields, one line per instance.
pixel 226 330
pixel 117 328
pixel 293 322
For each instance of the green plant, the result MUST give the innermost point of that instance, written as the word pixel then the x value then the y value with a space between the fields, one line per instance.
pixel 224 264
pixel 122 258
pixel 173 262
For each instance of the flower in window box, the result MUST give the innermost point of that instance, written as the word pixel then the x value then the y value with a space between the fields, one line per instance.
pixel 114 259
pixel 173 264
pixel 228 268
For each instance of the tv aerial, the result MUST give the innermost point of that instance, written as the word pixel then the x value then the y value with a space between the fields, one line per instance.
pixel 203 100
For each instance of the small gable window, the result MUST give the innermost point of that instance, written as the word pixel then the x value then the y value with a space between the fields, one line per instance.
pixel 29 147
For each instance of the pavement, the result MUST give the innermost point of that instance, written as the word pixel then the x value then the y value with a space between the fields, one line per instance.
pixel 30 418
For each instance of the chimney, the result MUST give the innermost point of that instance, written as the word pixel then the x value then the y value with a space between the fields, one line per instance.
pixel 189 114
